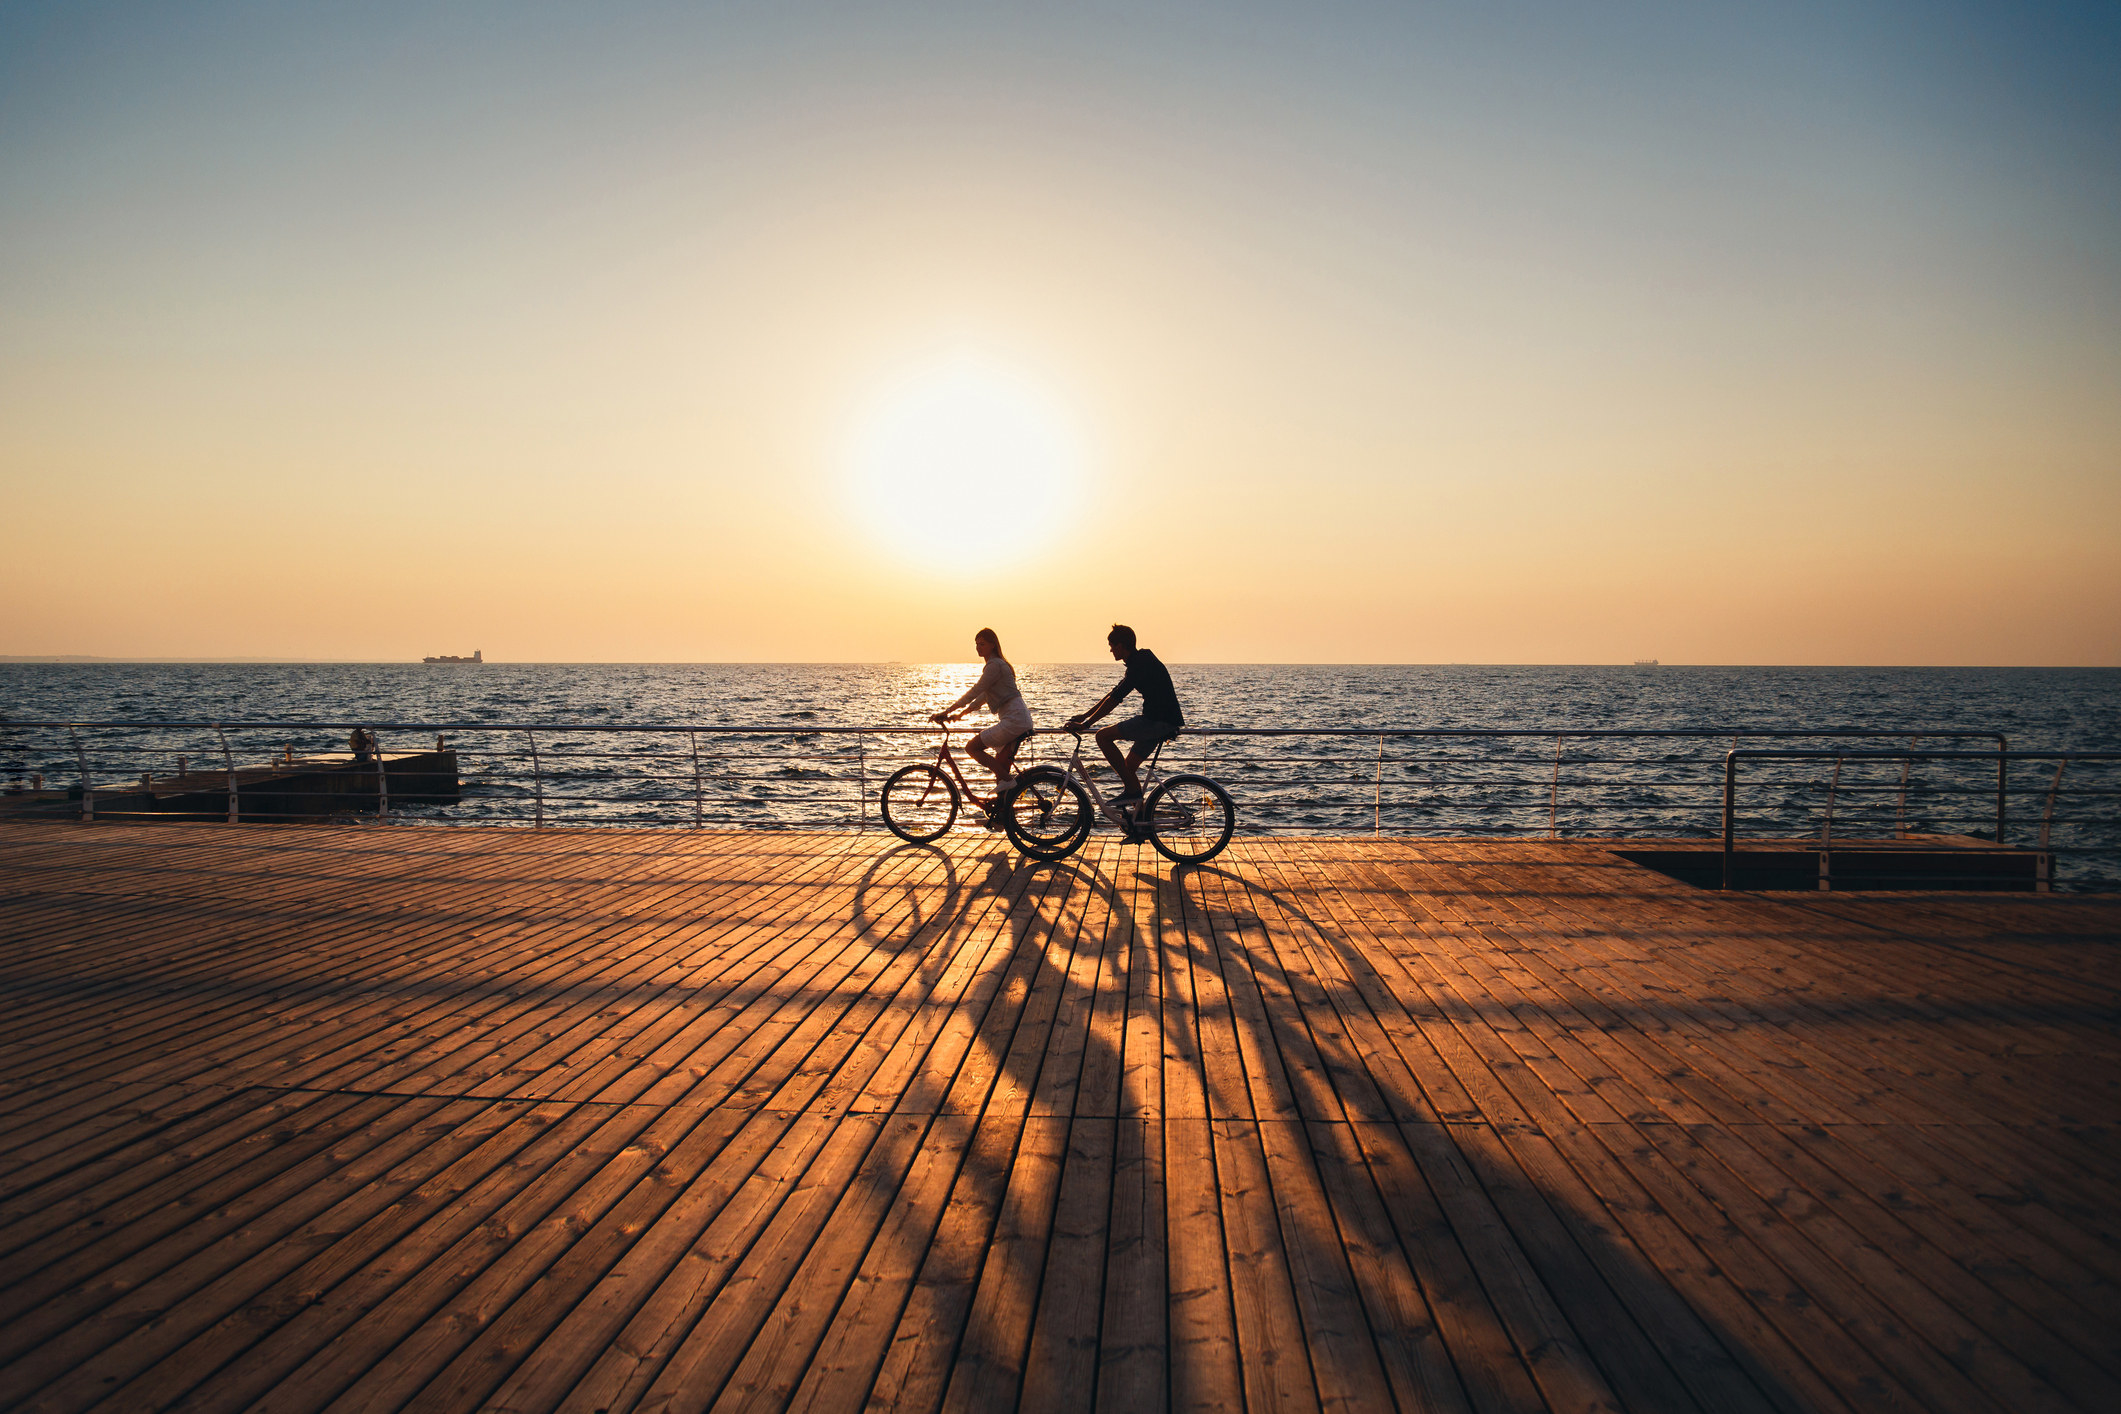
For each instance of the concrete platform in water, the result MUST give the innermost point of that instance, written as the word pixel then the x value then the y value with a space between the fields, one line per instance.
pixel 331 783
pixel 462 1118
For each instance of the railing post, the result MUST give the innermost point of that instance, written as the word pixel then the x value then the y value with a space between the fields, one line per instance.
pixel 228 760
pixel 1554 795
pixel 2047 817
pixel 861 774
pixel 1730 795
pixel 2003 747
pixel 1377 800
pixel 88 791
pixel 537 777
pixel 1900 829
pixel 1826 832
pixel 699 808
pixel 375 744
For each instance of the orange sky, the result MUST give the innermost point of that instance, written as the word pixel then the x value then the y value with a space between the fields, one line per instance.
pixel 1375 338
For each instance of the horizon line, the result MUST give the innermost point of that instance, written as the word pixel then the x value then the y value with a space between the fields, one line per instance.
pixel 272 661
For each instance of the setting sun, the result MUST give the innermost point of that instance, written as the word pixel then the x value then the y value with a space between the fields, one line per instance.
pixel 964 464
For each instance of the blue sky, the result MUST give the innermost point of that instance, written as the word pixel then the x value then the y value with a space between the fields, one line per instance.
pixel 1480 330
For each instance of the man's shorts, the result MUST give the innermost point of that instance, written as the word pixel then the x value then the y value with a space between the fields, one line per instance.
pixel 1144 731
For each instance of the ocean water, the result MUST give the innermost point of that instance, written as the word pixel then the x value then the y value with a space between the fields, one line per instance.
pixel 800 775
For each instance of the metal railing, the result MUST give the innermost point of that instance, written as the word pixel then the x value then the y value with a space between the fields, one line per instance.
pixel 1455 782
pixel 1855 813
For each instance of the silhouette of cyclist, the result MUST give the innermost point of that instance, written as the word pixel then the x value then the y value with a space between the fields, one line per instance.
pixel 1160 718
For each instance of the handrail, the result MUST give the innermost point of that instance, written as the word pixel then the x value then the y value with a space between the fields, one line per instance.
pixel 899 730
pixel 2001 758
pixel 782 775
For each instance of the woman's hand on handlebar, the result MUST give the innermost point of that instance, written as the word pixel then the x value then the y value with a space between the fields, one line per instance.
pixel 939 718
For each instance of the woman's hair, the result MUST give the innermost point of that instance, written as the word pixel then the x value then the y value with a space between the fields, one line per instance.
pixel 1121 638
pixel 992 637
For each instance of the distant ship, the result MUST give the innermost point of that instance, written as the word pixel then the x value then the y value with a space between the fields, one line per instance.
pixel 1639 662
pixel 477 656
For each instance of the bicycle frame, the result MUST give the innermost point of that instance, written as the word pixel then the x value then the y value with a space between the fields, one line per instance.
pixel 946 759
pixel 1073 772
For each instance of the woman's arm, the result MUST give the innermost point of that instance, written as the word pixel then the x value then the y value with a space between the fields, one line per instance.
pixel 974 695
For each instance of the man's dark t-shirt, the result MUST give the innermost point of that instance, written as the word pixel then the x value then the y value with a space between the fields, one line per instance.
pixel 1148 676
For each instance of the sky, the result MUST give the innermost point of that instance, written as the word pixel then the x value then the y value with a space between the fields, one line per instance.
pixel 1509 333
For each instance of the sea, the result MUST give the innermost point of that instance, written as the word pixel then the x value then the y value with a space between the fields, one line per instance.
pixel 796 765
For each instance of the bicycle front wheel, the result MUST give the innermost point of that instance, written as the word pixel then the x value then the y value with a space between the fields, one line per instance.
pixel 1190 819
pixel 1046 814
pixel 920 804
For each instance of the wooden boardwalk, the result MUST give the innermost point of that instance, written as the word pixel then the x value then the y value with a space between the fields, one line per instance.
pixel 313 1117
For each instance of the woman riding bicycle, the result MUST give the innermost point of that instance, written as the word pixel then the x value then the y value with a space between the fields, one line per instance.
pixel 994 748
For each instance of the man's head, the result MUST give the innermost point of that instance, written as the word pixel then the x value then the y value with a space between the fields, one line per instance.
pixel 1120 641
pixel 987 644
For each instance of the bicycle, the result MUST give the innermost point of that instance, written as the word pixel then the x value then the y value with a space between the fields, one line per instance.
pixel 1049 811
pixel 920 802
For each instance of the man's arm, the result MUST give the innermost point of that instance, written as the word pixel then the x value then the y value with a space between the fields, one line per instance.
pixel 1104 704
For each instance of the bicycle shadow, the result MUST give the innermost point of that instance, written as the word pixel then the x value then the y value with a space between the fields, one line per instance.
pixel 1184 1153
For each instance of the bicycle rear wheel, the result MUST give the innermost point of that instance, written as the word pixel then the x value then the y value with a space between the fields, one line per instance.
pixel 1189 819
pixel 920 804
pixel 1046 814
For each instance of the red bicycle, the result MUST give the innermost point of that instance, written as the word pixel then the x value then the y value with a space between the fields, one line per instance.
pixel 921 801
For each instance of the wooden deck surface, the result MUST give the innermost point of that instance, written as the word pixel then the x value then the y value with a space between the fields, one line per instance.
pixel 304 1118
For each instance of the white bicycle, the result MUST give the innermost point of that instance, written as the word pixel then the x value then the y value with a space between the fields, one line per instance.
pixel 1049 811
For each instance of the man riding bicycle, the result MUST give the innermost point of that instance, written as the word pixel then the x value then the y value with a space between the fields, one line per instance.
pixel 1159 721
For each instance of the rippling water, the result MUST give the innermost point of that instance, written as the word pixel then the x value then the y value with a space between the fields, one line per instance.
pixel 1447 787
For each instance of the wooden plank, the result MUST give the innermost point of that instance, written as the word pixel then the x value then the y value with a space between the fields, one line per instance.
pixel 1930 1266
pixel 1274 1358
pixel 1060 1371
pixel 270 947
pixel 283 1303
pixel 840 1375
pixel 1854 1303
pixel 1773 1070
pixel 1206 1363
pixel 1133 1341
pixel 773 1362
pixel 193 1281
pixel 807 1062
pixel 987 1369
pixel 918 1361
pixel 76 1268
pixel 708 1231
pixel 1225 1065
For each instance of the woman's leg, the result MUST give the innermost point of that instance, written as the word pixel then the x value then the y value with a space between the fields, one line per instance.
pixel 1005 757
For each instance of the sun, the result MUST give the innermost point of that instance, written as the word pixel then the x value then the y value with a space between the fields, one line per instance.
pixel 964 465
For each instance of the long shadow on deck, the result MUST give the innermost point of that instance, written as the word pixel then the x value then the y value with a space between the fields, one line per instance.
pixel 1254 1213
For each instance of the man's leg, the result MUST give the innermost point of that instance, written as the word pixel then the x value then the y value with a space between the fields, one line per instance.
pixel 1122 765
pixel 1137 754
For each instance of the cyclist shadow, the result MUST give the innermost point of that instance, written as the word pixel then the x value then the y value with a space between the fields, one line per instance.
pixel 1386 1166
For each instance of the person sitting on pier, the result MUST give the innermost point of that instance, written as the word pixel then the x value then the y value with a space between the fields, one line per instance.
pixel 1160 718
pixel 995 748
